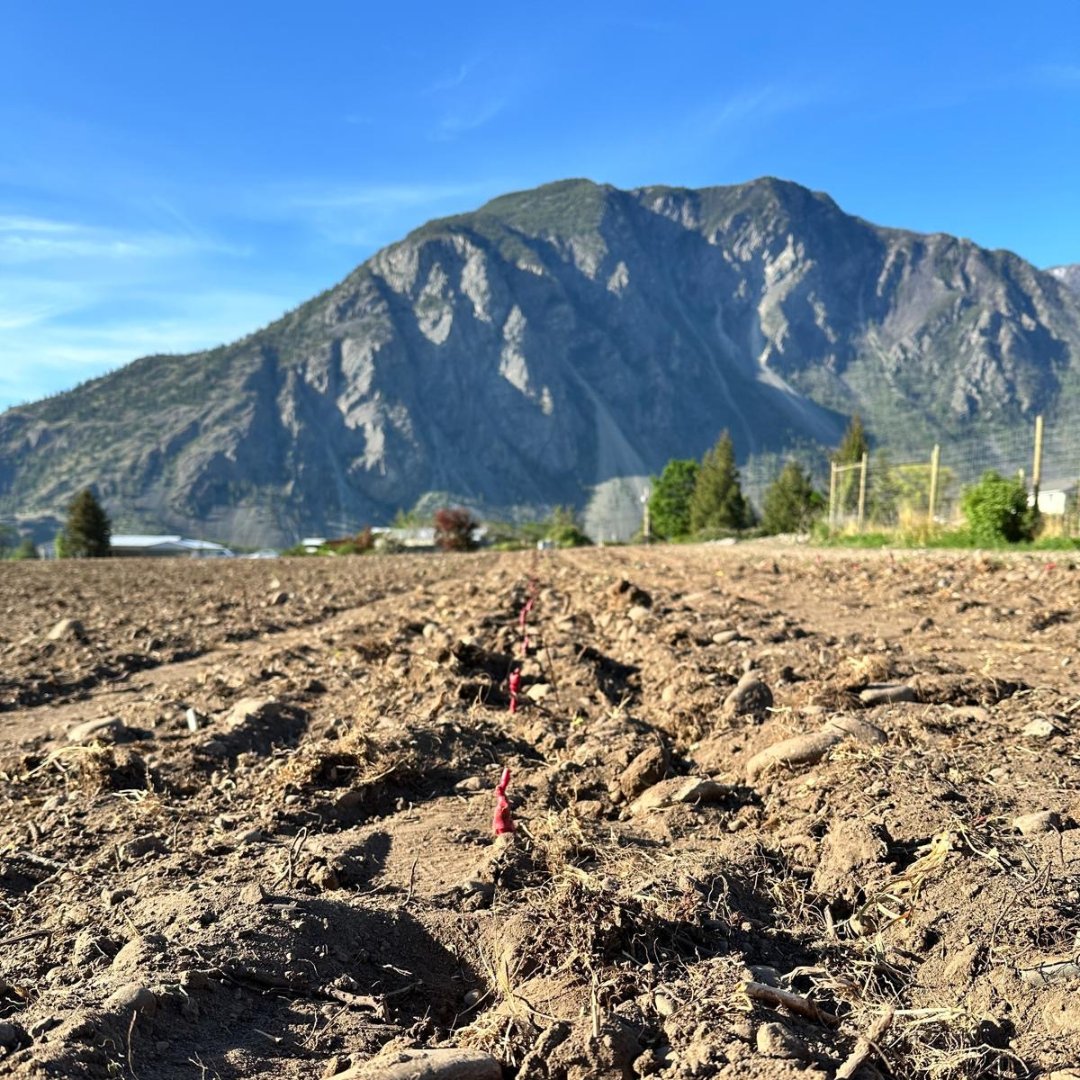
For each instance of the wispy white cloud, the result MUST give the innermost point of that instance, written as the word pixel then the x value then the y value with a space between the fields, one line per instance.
pixel 25 239
pixel 77 299
pixel 459 122
pixel 55 350
pixel 365 216
pixel 472 96
pixel 754 105
pixel 451 82
pixel 24 224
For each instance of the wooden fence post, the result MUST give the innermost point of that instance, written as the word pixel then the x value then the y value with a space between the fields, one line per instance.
pixel 832 495
pixel 862 489
pixel 935 463
pixel 1036 467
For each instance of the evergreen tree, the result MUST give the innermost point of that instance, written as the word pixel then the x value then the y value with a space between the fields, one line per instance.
pixel 718 501
pixel 791 503
pixel 853 445
pixel 88 531
pixel 669 504
pixel 850 452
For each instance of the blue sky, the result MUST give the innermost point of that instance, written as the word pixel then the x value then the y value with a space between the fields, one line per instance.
pixel 174 176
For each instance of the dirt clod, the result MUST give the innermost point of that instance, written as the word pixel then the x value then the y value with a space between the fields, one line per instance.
pixel 775 1040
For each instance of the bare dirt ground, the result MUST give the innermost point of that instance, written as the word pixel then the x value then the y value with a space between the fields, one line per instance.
pixel 779 813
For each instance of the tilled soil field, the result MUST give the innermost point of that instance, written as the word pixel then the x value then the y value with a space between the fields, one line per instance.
pixel 777 813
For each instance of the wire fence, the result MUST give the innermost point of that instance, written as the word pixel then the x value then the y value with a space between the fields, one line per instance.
pixel 883 492
pixel 893 490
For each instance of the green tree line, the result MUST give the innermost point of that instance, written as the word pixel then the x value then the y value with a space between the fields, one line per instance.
pixel 701 499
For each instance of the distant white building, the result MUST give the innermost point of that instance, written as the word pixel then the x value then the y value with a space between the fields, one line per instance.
pixel 1056 497
pixel 418 538
pixel 142 547
pixel 421 538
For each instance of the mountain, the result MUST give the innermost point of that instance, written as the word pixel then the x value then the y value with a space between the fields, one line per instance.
pixel 558 346
pixel 1070 275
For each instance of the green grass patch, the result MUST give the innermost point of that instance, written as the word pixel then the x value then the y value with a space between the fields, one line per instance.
pixel 940 539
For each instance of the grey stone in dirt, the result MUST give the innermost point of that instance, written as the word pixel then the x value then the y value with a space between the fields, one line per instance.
pixel 104 727
pixel 679 790
pixel 278 599
pixel 665 1004
pixel 751 697
pixel 887 694
pixel 646 769
pixel 810 748
pixel 449 1063
pixel 67 630
pixel 1039 728
pixel 1053 971
pixel 858 729
pixel 538 692
pixel 726 637
pixel 1042 821
pixel 775 1040
pixel 133 997
pixel 194 720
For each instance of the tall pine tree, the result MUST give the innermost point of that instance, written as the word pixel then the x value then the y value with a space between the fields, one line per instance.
pixel 853 445
pixel 718 501
pixel 88 532
pixel 850 452
pixel 790 502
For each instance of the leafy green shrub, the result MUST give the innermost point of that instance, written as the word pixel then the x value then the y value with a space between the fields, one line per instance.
pixel 997 510
pixel 568 536
pixel 563 529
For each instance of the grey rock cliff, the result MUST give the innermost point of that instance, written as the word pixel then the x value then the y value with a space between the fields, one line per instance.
pixel 553 342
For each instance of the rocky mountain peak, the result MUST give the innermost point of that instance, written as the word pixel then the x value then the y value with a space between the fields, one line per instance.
pixel 558 346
